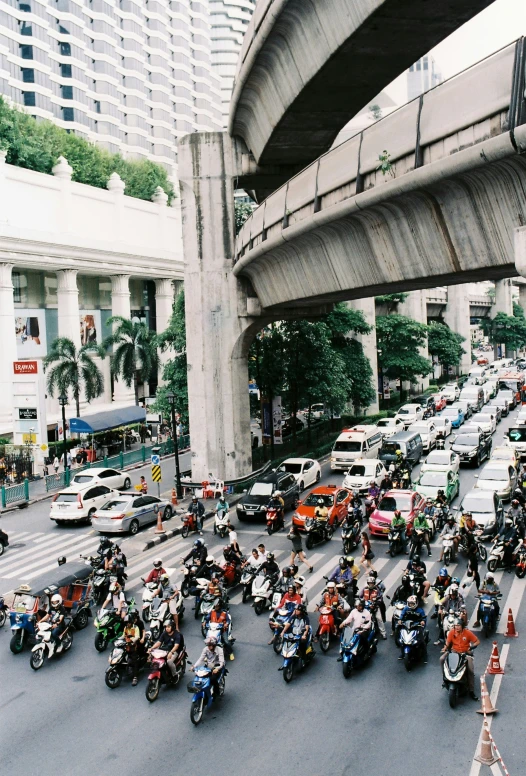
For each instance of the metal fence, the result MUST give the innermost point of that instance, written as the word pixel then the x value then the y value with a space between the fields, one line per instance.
pixel 15 494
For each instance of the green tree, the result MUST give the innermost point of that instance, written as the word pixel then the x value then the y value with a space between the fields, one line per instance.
pixel 243 211
pixel 445 344
pixel 69 368
pixel 398 340
pixel 518 312
pixel 507 330
pixel 135 357
pixel 391 300
pixel 173 341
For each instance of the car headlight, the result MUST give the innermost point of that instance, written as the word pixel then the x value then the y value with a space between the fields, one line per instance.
pixel 472 453
pixel 332 459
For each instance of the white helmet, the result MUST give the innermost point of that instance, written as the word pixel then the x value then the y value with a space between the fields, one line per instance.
pixel 490 577
pixel 209 559
pixel 412 602
pixel 158 562
pixel 56 601
pixel 331 585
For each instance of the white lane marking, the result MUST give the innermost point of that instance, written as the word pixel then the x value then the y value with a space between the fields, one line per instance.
pixel 513 602
pixel 23 571
pixel 53 546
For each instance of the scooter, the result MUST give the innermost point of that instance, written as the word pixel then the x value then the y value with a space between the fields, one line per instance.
pixel 355 649
pixel 496 557
pixel 119 661
pixel 262 592
pixel 395 542
pixel 276 624
pixel 4 541
pixel 190 579
pixel 148 594
pixel 351 531
pixel 3 611
pixel 161 614
pixel 247 577
pixel 189 524
pixel 326 628
pixel 221 524
pixel 417 540
pixel 448 549
pixel 110 626
pixel 455 676
pixel 223 636
pixel 412 639
pixel 232 573
pixel 449 620
pixel 100 585
pixel 293 661
pixel 398 607
pixel 205 604
pixel 487 613
pixel 275 521
pixel 441 515
pixel 520 562
pixel 317 532
pixel 160 672
pixel 203 691
pixel 47 645
pixel 482 552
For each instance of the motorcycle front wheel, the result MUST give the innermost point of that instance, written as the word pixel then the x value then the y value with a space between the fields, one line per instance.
pixel 269 530
pixel 185 591
pixel 259 606
pixel 347 670
pixel 453 697
pixel 152 690
pixel 2 617
pixel 101 642
pixel 246 594
pixel 492 565
pixel 483 553
pixel 67 641
pixel 309 544
pixel 221 687
pixel 277 644
pixel 407 662
pixel 113 679
pixel 325 641
pixel 36 660
pixel 288 672
pixel 16 645
pixel 520 572
pixel 184 531
pixel 196 711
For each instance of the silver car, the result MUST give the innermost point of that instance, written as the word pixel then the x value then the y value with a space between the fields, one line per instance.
pixel 127 513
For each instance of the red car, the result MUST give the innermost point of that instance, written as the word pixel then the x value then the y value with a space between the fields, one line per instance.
pixel 335 499
pixel 407 501
pixel 440 402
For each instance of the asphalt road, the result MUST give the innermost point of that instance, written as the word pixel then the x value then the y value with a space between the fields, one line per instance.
pixel 383 720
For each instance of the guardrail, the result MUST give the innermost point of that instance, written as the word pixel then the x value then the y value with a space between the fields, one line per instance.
pixel 15 494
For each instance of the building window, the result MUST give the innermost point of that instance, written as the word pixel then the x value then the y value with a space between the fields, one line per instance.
pixel 26 52
pixel 63 30
pixel 65 71
pixel 25 7
pixel 27 29
pixel 17 291
pixel 67 92
pixel 65 49
pixel 97 106
pixel 29 99
pixel 28 75
pixel 67 114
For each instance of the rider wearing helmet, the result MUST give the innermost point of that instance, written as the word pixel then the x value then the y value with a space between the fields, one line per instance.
pixel 156 572
pixel 170 641
pixel 220 615
pixel 134 637
pixel 116 600
pixel 373 491
pixel 56 617
pixel 277 503
pixel 197 508
pixel 371 592
pixel 222 507
pixel 420 523
pixel 212 656
pixel 441 584
pixel 454 601
pixel 333 600
pixel 450 529
pixel 441 499
pixel 414 613
pixel 398 524
pixel 299 623
pixel 343 575
pixel 321 514
pixel 198 553
pixel 490 589
pixel 510 537
pixel 270 568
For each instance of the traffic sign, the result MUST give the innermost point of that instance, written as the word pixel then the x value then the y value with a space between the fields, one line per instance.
pixel 156 460
pixel 156 473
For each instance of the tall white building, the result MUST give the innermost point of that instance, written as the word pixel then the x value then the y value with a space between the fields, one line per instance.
pixel 131 75
pixel 421 76
pixel 229 20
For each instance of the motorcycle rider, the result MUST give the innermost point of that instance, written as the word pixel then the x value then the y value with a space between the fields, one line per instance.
pixel 450 528
pixel 299 622
pixel 420 524
pixel 509 535
pixel 361 619
pixel 419 568
pixel 372 593
pixel 253 559
pixel 198 553
pixel 321 516
pixel 116 599
pixel 197 508
pixel 277 503
pixel 219 614
pixel 387 482
pixel 212 656
pixel 381 587
pixel 516 513
pixel 169 593
pixel 286 578
pixel 334 601
pixel 462 641
pixel 442 580
pixel 404 590
pixel 453 600
pixel 355 502
pixel 413 612
pixel 132 636
pixel 429 509
pixel 398 523
pixel 468 526
pixel 290 597
pixel 441 499
pixel 156 572
pixel 56 617
pixel 299 584
pixel 343 575
pixel 222 507
pixel 489 588
pixel 171 641
pixel 373 491
pixel 270 568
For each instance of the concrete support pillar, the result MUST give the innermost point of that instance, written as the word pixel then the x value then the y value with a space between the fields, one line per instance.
pixel 415 307
pixel 164 300
pixel 68 305
pixel 522 297
pixel 457 317
pixel 368 341
pixel 218 329
pixel 503 304
pixel 7 346
pixel 120 305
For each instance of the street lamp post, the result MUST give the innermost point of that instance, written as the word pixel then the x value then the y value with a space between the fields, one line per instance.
pixel 171 400
pixel 63 400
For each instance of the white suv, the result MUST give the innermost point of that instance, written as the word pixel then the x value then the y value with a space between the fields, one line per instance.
pixel 450 392
pixel 74 505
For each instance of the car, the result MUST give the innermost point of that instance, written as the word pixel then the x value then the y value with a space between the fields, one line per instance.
pixel 442 425
pixel 486 508
pixel 521 415
pixel 410 413
pixel 455 415
pixel 442 460
pixel 77 505
pixel 482 360
pixel 498 476
pixel 294 422
pixel 465 406
pixel 486 420
pixel 427 403
pixel 127 512
pixel 427 431
pixel 101 476
pixel 472 448
pixel 497 411
pixel 430 482
pixel 362 472
pixel 390 426
pixel 507 454
pixel 306 471
pixel 451 392
pixel 503 403
pixel 409 502
pixel 493 387
pixel 440 401
pixel 255 499
pixel 335 499
pixel 511 396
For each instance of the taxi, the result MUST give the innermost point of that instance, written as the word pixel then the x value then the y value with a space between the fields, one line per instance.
pixel 335 498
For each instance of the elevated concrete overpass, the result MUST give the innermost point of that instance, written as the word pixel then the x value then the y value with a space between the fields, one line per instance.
pixel 308 66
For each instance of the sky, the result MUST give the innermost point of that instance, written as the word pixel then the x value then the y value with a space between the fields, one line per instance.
pixel 503 22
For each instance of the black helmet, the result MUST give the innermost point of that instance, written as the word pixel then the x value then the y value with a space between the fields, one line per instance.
pixel 405 579
pixel 270 556
pixel 133 616
pixel 416 558
pixel 301 608
pixel 198 543
pixel 343 563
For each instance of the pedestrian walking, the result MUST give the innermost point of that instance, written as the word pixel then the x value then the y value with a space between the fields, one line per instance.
pixel 367 552
pixel 56 464
pixel 297 547
pixel 69 460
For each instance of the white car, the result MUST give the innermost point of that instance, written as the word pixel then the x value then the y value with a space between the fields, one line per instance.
pixel 486 420
pixel 443 425
pixel 390 426
pixel 410 413
pixel 450 392
pixel 428 433
pixel 101 476
pixel 78 505
pixel 443 461
pixel 499 477
pixel 362 472
pixel 505 453
pixel 306 471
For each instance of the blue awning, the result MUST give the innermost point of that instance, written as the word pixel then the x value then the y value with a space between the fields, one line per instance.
pixel 104 421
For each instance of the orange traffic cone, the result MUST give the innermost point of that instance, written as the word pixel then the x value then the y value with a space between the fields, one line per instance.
pixel 486 756
pixel 174 497
pixel 487 707
pixel 160 527
pixel 511 633
pixel 494 661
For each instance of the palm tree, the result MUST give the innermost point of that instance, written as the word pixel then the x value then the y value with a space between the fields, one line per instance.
pixel 72 369
pixel 135 356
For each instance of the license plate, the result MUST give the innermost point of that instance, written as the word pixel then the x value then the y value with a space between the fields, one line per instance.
pixel 249 512
pixel 386 530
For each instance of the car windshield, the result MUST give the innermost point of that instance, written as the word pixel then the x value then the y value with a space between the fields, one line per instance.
pixel 313 499
pixel 390 503
pixel 116 506
pixel 450 412
pixel 292 468
pixel 389 447
pixel 23 602
pixel 66 498
pixel 81 479
pixel 420 427
pixel 347 447
pixel 386 422
pixel 502 455
pixel 475 502
pixel 467 440
pixel 440 421
pixel 493 473
pixel 439 458
pixel 517 434
pixel 262 489
pixel 434 479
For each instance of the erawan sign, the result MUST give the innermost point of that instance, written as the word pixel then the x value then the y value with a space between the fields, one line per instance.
pixel 25 367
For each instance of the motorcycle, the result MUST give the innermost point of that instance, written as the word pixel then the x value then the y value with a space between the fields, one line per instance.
pixel 262 593
pixel 276 624
pixel 482 552
pixel 232 573
pixel 204 603
pixel 275 521
pixel 356 650
pixel 221 524
pixel 160 672
pixel 293 661
pixel 190 579
pixel 317 532
pixel 203 691
pixel 449 620
pixel 326 627
pixel 161 615
pixel 247 577
pixel 148 595
pixel 119 661
pixel 3 611
pixel 455 676
pixel 4 541
pixel 448 549
pixel 412 639
pixel 520 562
pixel 100 585
pixel 109 625
pixel 395 542
pixel 189 524
pixel 440 442
pixel 45 643
pixel 398 607
pixel 441 515
pixel 496 557
pixel 223 636
pixel 487 613
pixel 351 531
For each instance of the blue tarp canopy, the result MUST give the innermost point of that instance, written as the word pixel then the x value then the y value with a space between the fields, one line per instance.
pixel 104 421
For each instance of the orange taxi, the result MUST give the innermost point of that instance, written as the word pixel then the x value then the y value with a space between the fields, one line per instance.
pixel 335 498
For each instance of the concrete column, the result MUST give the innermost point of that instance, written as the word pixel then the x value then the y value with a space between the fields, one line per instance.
pixel 164 300
pixel 7 347
pixel 415 307
pixel 120 305
pixel 218 329
pixel 368 341
pixel 503 304
pixel 522 297
pixel 68 305
pixel 457 317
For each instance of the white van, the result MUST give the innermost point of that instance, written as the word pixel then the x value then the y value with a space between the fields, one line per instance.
pixel 353 443
pixel 478 373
